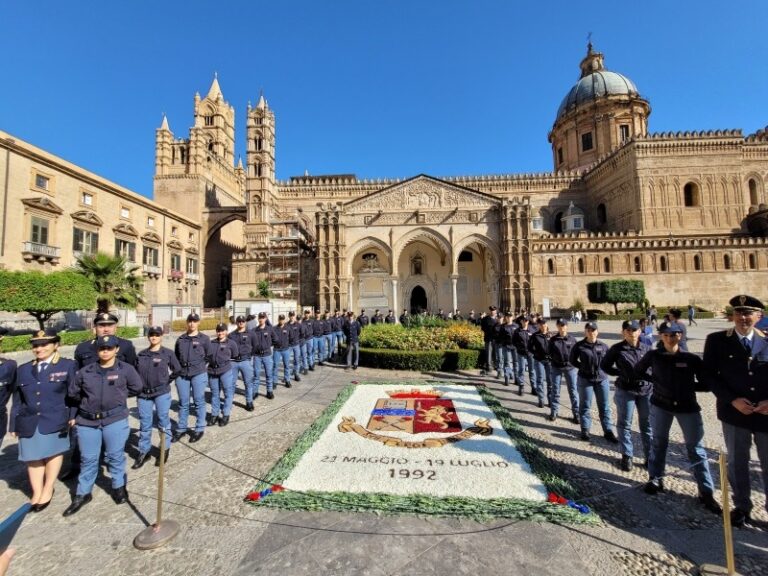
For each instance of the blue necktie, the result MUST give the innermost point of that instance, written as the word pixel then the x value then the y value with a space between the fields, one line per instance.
pixel 747 344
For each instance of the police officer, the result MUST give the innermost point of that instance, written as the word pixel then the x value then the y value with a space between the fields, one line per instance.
pixel 308 343
pixel 375 317
pixel 318 329
pixel 294 343
pixel 587 356
pixel 486 325
pixel 676 376
pixel 105 324
pixel 520 341
pixel 242 363
pixel 329 334
pixel 41 414
pixel 100 391
pixel 221 375
pixel 262 359
pixel 363 318
pixel 7 380
pixel 191 350
pixel 281 340
pixel 538 346
pixel 352 330
pixel 736 369
pixel 498 345
pixel 339 327
pixel 560 346
pixel 631 392
pixel 156 366
pixel 405 318
pixel 508 355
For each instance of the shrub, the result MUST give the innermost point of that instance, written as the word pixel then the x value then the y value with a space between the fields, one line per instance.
pixel 21 342
pixel 395 337
pixel 420 360
pixel 465 335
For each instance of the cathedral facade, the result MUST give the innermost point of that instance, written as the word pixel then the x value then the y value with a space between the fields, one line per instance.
pixel 672 209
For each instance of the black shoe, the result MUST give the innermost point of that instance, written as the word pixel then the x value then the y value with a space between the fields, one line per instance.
pixel 711 504
pixel 120 495
pixel 223 421
pixel 654 486
pixel 270 396
pixel 739 518
pixel 77 503
pixel 141 459
pixel 321 363
pixel 520 391
pixel 552 417
pixel 195 436
pixel 39 507
pixel 585 436
pixel 177 435
pixel 506 380
pixel 287 384
pixel 311 368
pixel 304 371
pixel 73 472
pixel 210 419
pixel 249 406
pixel 611 437
pixel 165 460
pixel 297 378
pixel 354 367
pixel 576 419
pixel 533 392
pixel 541 404
pixel 626 463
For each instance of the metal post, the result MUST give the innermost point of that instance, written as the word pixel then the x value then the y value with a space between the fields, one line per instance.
pixel 730 564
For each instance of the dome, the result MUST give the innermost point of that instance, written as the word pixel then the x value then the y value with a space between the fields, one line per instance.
pixel 596 82
pixel 573 211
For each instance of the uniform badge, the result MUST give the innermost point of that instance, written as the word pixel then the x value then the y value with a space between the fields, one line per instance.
pixel 742 299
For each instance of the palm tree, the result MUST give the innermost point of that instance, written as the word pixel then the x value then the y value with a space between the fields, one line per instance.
pixel 113 279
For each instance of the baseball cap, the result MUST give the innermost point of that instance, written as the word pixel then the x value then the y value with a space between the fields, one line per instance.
pixel 193 317
pixel 562 322
pixel 630 325
pixel 221 327
pixel 671 328
pixel 590 326
pixel 107 342
pixel 155 331
pixel 262 314
pixel 240 319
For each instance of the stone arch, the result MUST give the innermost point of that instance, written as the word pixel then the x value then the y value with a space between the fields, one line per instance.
pixel 221 245
pixel 484 241
pixel 438 241
pixel 365 244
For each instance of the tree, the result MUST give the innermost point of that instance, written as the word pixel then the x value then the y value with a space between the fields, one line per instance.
pixel 43 295
pixel 263 288
pixel 113 279
pixel 616 292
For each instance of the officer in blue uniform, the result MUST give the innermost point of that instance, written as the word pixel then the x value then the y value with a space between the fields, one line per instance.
pixel 281 340
pixel 338 326
pixel 242 363
pixel 308 343
pixel 221 375
pixel 524 359
pixel 294 342
pixel 100 391
pixel 508 353
pixel 736 369
pixel 352 330
pixel 329 333
pixel 560 346
pixel 191 350
pixel 7 379
pixel 262 359
pixel 157 366
pixel 486 325
pixel 363 319
pixel 318 330
pixel 538 345
pixel 41 414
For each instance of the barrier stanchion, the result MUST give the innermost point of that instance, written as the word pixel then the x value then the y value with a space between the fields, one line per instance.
pixel 730 560
pixel 162 531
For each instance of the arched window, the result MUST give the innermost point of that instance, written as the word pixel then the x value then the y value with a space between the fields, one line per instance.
pixel 602 215
pixel 691 195
pixel 753 199
pixel 637 264
pixel 663 263
pixel 726 261
pixel 580 265
pixel 697 262
pixel 606 264
pixel 752 262
pixel 557 225
pixel 550 266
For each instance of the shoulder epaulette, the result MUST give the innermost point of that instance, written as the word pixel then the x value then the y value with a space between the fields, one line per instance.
pixel 729 332
pixel 759 333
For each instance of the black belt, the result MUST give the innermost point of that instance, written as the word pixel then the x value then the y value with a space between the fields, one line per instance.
pixel 241 358
pixel 100 415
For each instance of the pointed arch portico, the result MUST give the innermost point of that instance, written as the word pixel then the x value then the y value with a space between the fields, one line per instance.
pixel 429 236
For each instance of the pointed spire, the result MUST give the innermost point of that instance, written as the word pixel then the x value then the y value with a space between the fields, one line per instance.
pixel 215 90
pixel 239 162
pixel 262 104
pixel 164 125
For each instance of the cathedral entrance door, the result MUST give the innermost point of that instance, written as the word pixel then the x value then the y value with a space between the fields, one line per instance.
pixel 418 300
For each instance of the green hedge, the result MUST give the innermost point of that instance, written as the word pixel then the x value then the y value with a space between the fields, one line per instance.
pixel 205 324
pixel 17 343
pixel 659 316
pixel 420 360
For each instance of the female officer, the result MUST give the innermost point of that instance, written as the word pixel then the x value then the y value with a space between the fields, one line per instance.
pixel 157 366
pixel 101 392
pixel 221 376
pixel 191 350
pixel 41 416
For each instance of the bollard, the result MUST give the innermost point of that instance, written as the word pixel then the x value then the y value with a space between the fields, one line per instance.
pixel 730 560
pixel 162 531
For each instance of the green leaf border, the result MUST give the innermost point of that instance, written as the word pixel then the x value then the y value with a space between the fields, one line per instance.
pixel 475 508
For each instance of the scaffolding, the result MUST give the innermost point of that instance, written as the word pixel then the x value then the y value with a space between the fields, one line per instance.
pixel 292 240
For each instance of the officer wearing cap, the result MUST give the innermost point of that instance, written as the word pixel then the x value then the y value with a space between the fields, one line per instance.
pixel 242 362
pixel 307 343
pixel 677 376
pixel 41 414
pixel 7 380
pixel 262 360
pixel 105 324
pixel 560 346
pixel 294 343
pixel 363 318
pixel 507 358
pixel 587 356
pixel 520 341
pixel 736 370
pixel 538 345
pixel 631 392
pixel 318 328
pixel 281 340
pixel 498 345
pixel 487 325
pixel 157 366
pixel 329 333
pixel 221 376
pixel 191 350
pixel 352 330
pixel 100 391
pixel 339 332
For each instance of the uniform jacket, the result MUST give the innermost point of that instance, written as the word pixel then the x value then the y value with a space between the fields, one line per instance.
pixel 87 353
pixel 587 358
pixel 508 333
pixel 40 400
pixel 363 319
pixel 191 352
pixel 101 394
pixel 294 333
pixel 318 327
pixel 327 325
pixel 676 379
pixel 520 341
pixel 621 361
pixel 732 373
pixel 560 350
pixel 486 325
pixel 306 329
pixel 389 319
pixel 352 331
pixel 538 345
pixel 498 333
pixel 7 381
pixel 280 337
pixel 263 337
pixel 245 342
pixel 220 355
pixel 156 370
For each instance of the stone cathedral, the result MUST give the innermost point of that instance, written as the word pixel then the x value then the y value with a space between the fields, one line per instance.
pixel 684 212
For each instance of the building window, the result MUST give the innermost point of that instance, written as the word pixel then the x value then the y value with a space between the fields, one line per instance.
pixel 473 217
pixel 151 256
pixel 125 213
pixel 752 262
pixel 602 214
pixel 125 249
pixel 586 142
pixel 40 228
pixel 85 241
pixel 753 199
pixel 663 263
pixel 578 223
pixel 191 266
pixel 174 230
pixel 367 219
pixel 691 195
pixel 550 266
pixel 637 264
pixel 557 224
pixel 208 120
pixel 175 262
pixel 42 182
pixel 580 265
pixel 624 132
pixel 421 218
pixel 258 144
pixel 606 265
pixel 726 261
pixel 697 262
pixel 86 199
pixel 560 155
pixel 191 237
pixel 537 223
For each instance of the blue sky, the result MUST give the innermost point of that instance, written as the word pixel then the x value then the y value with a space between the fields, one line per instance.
pixel 380 89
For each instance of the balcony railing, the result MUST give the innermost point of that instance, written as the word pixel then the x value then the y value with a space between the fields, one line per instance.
pixel 192 276
pixel 34 250
pixel 151 270
pixel 176 274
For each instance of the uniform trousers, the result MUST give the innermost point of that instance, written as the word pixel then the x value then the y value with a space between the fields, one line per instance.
pixel 297 363
pixel 522 367
pixel 195 385
pixel 320 348
pixel 353 354
pixel 331 343
pixel 505 362
pixel 626 402
pixel 542 378
pixel 601 390
pixel 571 376
pixel 223 382
pixel 245 369
pixel 308 349
pixel 738 443
pixel 265 363
pixel 147 406
pixel 283 356
pixel 90 439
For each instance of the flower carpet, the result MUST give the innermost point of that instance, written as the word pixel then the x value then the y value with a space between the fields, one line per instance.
pixel 416 447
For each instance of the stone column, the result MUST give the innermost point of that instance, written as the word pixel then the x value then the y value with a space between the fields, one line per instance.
pixel 454 283
pixel 395 307
pixel 350 282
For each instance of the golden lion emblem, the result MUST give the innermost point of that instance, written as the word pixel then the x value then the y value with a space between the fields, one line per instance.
pixel 434 415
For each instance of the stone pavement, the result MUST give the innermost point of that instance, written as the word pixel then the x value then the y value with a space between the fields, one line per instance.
pixel 663 534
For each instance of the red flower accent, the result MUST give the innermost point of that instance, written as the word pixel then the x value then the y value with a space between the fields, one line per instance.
pixel 252 497
pixel 561 500
pixel 277 488
pixel 552 497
